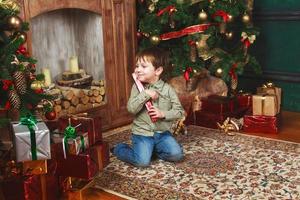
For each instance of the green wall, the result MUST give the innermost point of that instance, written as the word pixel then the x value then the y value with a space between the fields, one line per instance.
pixel 277 49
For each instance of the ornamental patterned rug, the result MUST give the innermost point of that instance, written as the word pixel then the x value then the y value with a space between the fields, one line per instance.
pixel 216 166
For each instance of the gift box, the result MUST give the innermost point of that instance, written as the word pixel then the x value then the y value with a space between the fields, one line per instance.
pixel 205 119
pixel 78 188
pixel 31 145
pixel 89 124
pixel 210 119
pixel 79 144
pixel 72 146
pixel 271 90
pixel 35 167
pixel 53 190
pixel 219 104
pixel 100 154
pixel 244 100
pixel 261 124
pixel 22 188
pixel 79 166
pixel 264 105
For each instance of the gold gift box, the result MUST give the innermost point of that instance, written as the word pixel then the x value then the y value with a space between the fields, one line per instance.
pixel 77 189
pixel 271 91
pixel 35 167
pixel 264 105
pixel 75 145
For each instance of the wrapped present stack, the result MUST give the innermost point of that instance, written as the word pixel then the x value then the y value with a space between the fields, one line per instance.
pixel 265 115
pixel 46 155
pixel 216 109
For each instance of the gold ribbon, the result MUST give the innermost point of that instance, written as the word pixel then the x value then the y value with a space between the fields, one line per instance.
pixel 268 85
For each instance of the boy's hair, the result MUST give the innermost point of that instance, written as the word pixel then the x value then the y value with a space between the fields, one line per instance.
pixel 158 57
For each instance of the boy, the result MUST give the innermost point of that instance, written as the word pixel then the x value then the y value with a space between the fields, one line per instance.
pixel 147 136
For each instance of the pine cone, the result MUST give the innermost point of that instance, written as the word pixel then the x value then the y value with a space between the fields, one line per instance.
pixel 234 83
pixel 14 99
pixel 20 82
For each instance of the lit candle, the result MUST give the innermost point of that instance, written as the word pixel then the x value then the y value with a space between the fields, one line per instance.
pixel 73 64
pixel 47 74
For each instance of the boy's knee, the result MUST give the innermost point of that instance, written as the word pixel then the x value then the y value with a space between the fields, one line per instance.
pixel 175 156
pixel 142 163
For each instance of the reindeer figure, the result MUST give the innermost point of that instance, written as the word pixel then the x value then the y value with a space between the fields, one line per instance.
pixel 201 85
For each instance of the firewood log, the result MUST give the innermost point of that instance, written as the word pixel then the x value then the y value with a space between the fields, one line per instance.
pixel 66 104
pixel 84 99
pixel 75 101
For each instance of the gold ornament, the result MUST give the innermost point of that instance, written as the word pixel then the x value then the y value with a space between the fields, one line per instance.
pixel 23 35
pixel 229 35
pixel 246 18
pixel 219 72
pixel 155 39
pixel 37 85
pixel 151 7
pixel 14 22
pixel 10 5
pixel 230 18
pixel 202 16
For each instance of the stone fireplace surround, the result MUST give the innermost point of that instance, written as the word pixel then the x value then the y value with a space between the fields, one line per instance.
pixel 119 43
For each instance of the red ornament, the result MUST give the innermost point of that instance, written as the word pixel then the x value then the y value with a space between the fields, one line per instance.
pixel 139 35
pixel 22 50
pixel 232 71
pixel 29 106
pixel 6 84
pixel 51 115
pixel 39 91
pixel 7 105
pixel 187 72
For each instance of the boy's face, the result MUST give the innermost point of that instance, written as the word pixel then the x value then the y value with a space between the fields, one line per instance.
pixel 146 72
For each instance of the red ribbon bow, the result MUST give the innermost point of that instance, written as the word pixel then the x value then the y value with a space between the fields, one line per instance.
pixel 170 9
pixel 187 73
pixel 246 42
pixel 223 14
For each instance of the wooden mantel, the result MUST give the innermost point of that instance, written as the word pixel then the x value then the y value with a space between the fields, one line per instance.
pixel 119 27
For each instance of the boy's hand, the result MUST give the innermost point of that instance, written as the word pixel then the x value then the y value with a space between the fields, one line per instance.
pixel 155 113
pixel 153 94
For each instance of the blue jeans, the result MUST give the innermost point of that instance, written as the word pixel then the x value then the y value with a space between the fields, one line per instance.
pixel 163 145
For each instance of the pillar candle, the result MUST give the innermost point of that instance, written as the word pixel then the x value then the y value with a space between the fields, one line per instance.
pixel 73 64
pixel 47 74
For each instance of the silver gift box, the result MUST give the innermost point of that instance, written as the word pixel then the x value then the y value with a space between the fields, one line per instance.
pixel 22 143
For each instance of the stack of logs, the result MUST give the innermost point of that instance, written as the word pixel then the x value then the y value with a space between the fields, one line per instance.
pixel 73 100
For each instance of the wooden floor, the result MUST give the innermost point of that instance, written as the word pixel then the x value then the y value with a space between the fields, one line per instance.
pixel 289 131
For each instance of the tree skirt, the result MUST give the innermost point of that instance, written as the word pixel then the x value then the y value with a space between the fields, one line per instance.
pixel 216 166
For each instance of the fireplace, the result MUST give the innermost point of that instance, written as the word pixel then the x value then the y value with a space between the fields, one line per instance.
pixel 98 34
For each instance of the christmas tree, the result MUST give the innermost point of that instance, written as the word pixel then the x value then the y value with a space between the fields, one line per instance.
pixel 212 34
pixel 20 88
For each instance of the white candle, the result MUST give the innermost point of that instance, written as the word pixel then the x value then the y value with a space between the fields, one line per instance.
pixel 73 64
pixel 47 74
